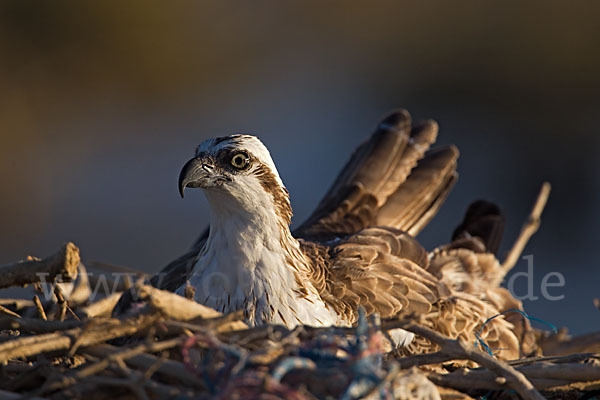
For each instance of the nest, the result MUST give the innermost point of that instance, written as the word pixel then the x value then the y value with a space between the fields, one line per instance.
pixel 170 347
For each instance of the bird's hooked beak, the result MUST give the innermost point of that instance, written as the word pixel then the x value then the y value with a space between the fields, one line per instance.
pixel 199 172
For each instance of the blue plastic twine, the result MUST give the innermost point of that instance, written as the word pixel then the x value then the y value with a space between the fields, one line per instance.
pixel 523 313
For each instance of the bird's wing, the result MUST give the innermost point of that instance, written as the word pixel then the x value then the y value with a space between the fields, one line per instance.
pixel 379 269
pixel 468 262
pixel 385 271
pixel 384 183
pixel 468 265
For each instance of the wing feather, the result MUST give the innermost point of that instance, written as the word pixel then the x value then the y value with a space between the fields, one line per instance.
pixel 431 179
pixel 398 281
pixel 371 179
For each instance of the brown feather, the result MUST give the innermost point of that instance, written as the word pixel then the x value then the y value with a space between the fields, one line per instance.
pixel 374 173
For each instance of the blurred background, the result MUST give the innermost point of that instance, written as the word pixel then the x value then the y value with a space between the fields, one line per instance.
pixel 103 102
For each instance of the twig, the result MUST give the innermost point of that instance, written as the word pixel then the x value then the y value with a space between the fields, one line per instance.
pixel 174 306
pixel 529 228
pixel 135 357
pixel 36 325
pixel 61 311
pixel 460 350
pixel 4 310
pixel 542 376
pixel 556 359
pixel 39 308
pixel 17 304
pixel 100 308
pixel 424 359
pixel 63 263
pixel 562 344
pixel 95 332
pixel 466 381
pixel 227 323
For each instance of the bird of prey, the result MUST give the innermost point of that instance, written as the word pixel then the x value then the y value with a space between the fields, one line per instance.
pixel 357 249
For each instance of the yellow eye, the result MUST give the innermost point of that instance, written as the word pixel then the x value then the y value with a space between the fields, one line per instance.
pixel 240 160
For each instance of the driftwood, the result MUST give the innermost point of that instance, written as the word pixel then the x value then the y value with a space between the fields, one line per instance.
pixel 62 264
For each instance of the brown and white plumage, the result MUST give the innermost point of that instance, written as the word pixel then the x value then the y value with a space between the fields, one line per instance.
pixel 356 250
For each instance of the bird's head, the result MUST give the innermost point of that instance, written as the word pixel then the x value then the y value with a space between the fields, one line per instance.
pixel 237 172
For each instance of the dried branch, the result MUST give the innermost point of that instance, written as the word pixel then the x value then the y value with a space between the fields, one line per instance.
pixel 93 332
pixel 64 264
pixel 35 325
pixel 61 310
pixel 460 350
pixel 529 229
pixel 466 381
pixel 226 323
pixel 138 358
pixel 16 304
pixel 101 308
pixel 562 343
pixel 39 308
pixel 174 306
pixel 6 311
pixel 542 375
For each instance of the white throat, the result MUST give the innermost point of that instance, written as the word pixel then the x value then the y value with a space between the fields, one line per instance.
pixel 251 262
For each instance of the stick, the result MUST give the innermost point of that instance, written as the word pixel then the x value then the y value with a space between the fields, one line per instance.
pixel 100 308
pixel 140 359
pixel 174 306
pixel 40 308
pixel 63 263
pixel 61 310
pixel 4 310
pixel 529 228
pixel 468 382
pixel 17 304
pixel 135 356
pixel 93 332
pixel 36 325
pixel 541 375
pixel 563 344
pixel 460 350
pixel 226 323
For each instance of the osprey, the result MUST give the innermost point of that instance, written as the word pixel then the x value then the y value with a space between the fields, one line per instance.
pixel 356 250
